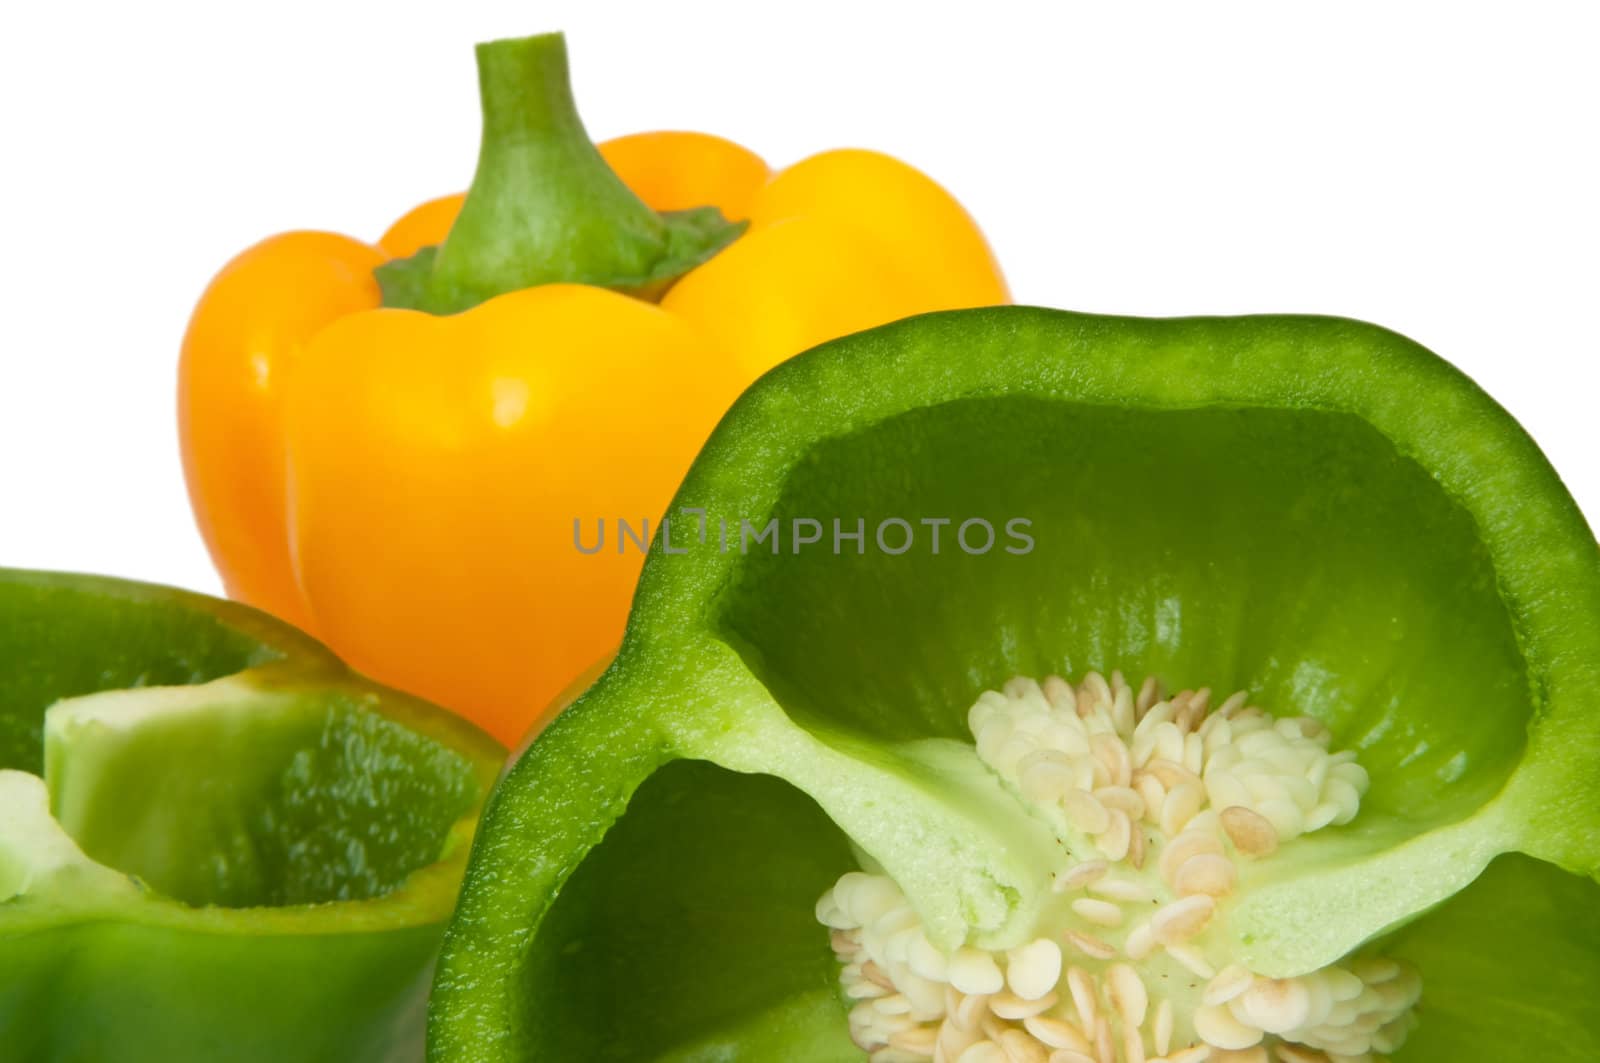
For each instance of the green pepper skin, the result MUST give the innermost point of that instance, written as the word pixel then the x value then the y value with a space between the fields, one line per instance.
pixel 1314 509
pixel 291 944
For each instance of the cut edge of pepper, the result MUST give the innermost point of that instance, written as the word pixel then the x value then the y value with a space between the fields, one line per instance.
pixel 1542 550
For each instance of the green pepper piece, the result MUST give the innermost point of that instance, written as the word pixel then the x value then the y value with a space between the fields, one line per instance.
pixel 216 842
pixel 1315 510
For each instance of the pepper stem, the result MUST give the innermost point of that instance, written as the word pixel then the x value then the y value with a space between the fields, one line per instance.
pixel 544 207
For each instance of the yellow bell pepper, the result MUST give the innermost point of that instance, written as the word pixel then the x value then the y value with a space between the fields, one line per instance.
pixel 395 445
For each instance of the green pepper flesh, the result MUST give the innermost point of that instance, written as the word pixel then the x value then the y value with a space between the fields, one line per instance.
pixel 1315 510
pixel 215 841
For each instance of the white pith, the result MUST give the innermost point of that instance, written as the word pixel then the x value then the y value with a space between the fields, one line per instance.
pixel 1158 801
pixel 34 849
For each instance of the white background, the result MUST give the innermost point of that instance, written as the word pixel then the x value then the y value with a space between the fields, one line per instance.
pixel 1430 167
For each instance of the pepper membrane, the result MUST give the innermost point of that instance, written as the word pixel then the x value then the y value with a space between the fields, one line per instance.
pixel 1315 511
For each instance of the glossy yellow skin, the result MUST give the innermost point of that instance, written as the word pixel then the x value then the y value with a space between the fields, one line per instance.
pixel 404 486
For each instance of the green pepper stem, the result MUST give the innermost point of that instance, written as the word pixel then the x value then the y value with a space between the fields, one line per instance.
pixel 544 207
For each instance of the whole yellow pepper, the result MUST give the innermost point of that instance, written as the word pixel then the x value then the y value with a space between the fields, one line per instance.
pixel 393 445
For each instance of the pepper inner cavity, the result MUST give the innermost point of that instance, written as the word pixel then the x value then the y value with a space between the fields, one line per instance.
pixel 1159 801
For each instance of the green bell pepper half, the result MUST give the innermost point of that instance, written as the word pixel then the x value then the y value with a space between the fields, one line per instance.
pixel 1314 509
pixel 216 842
